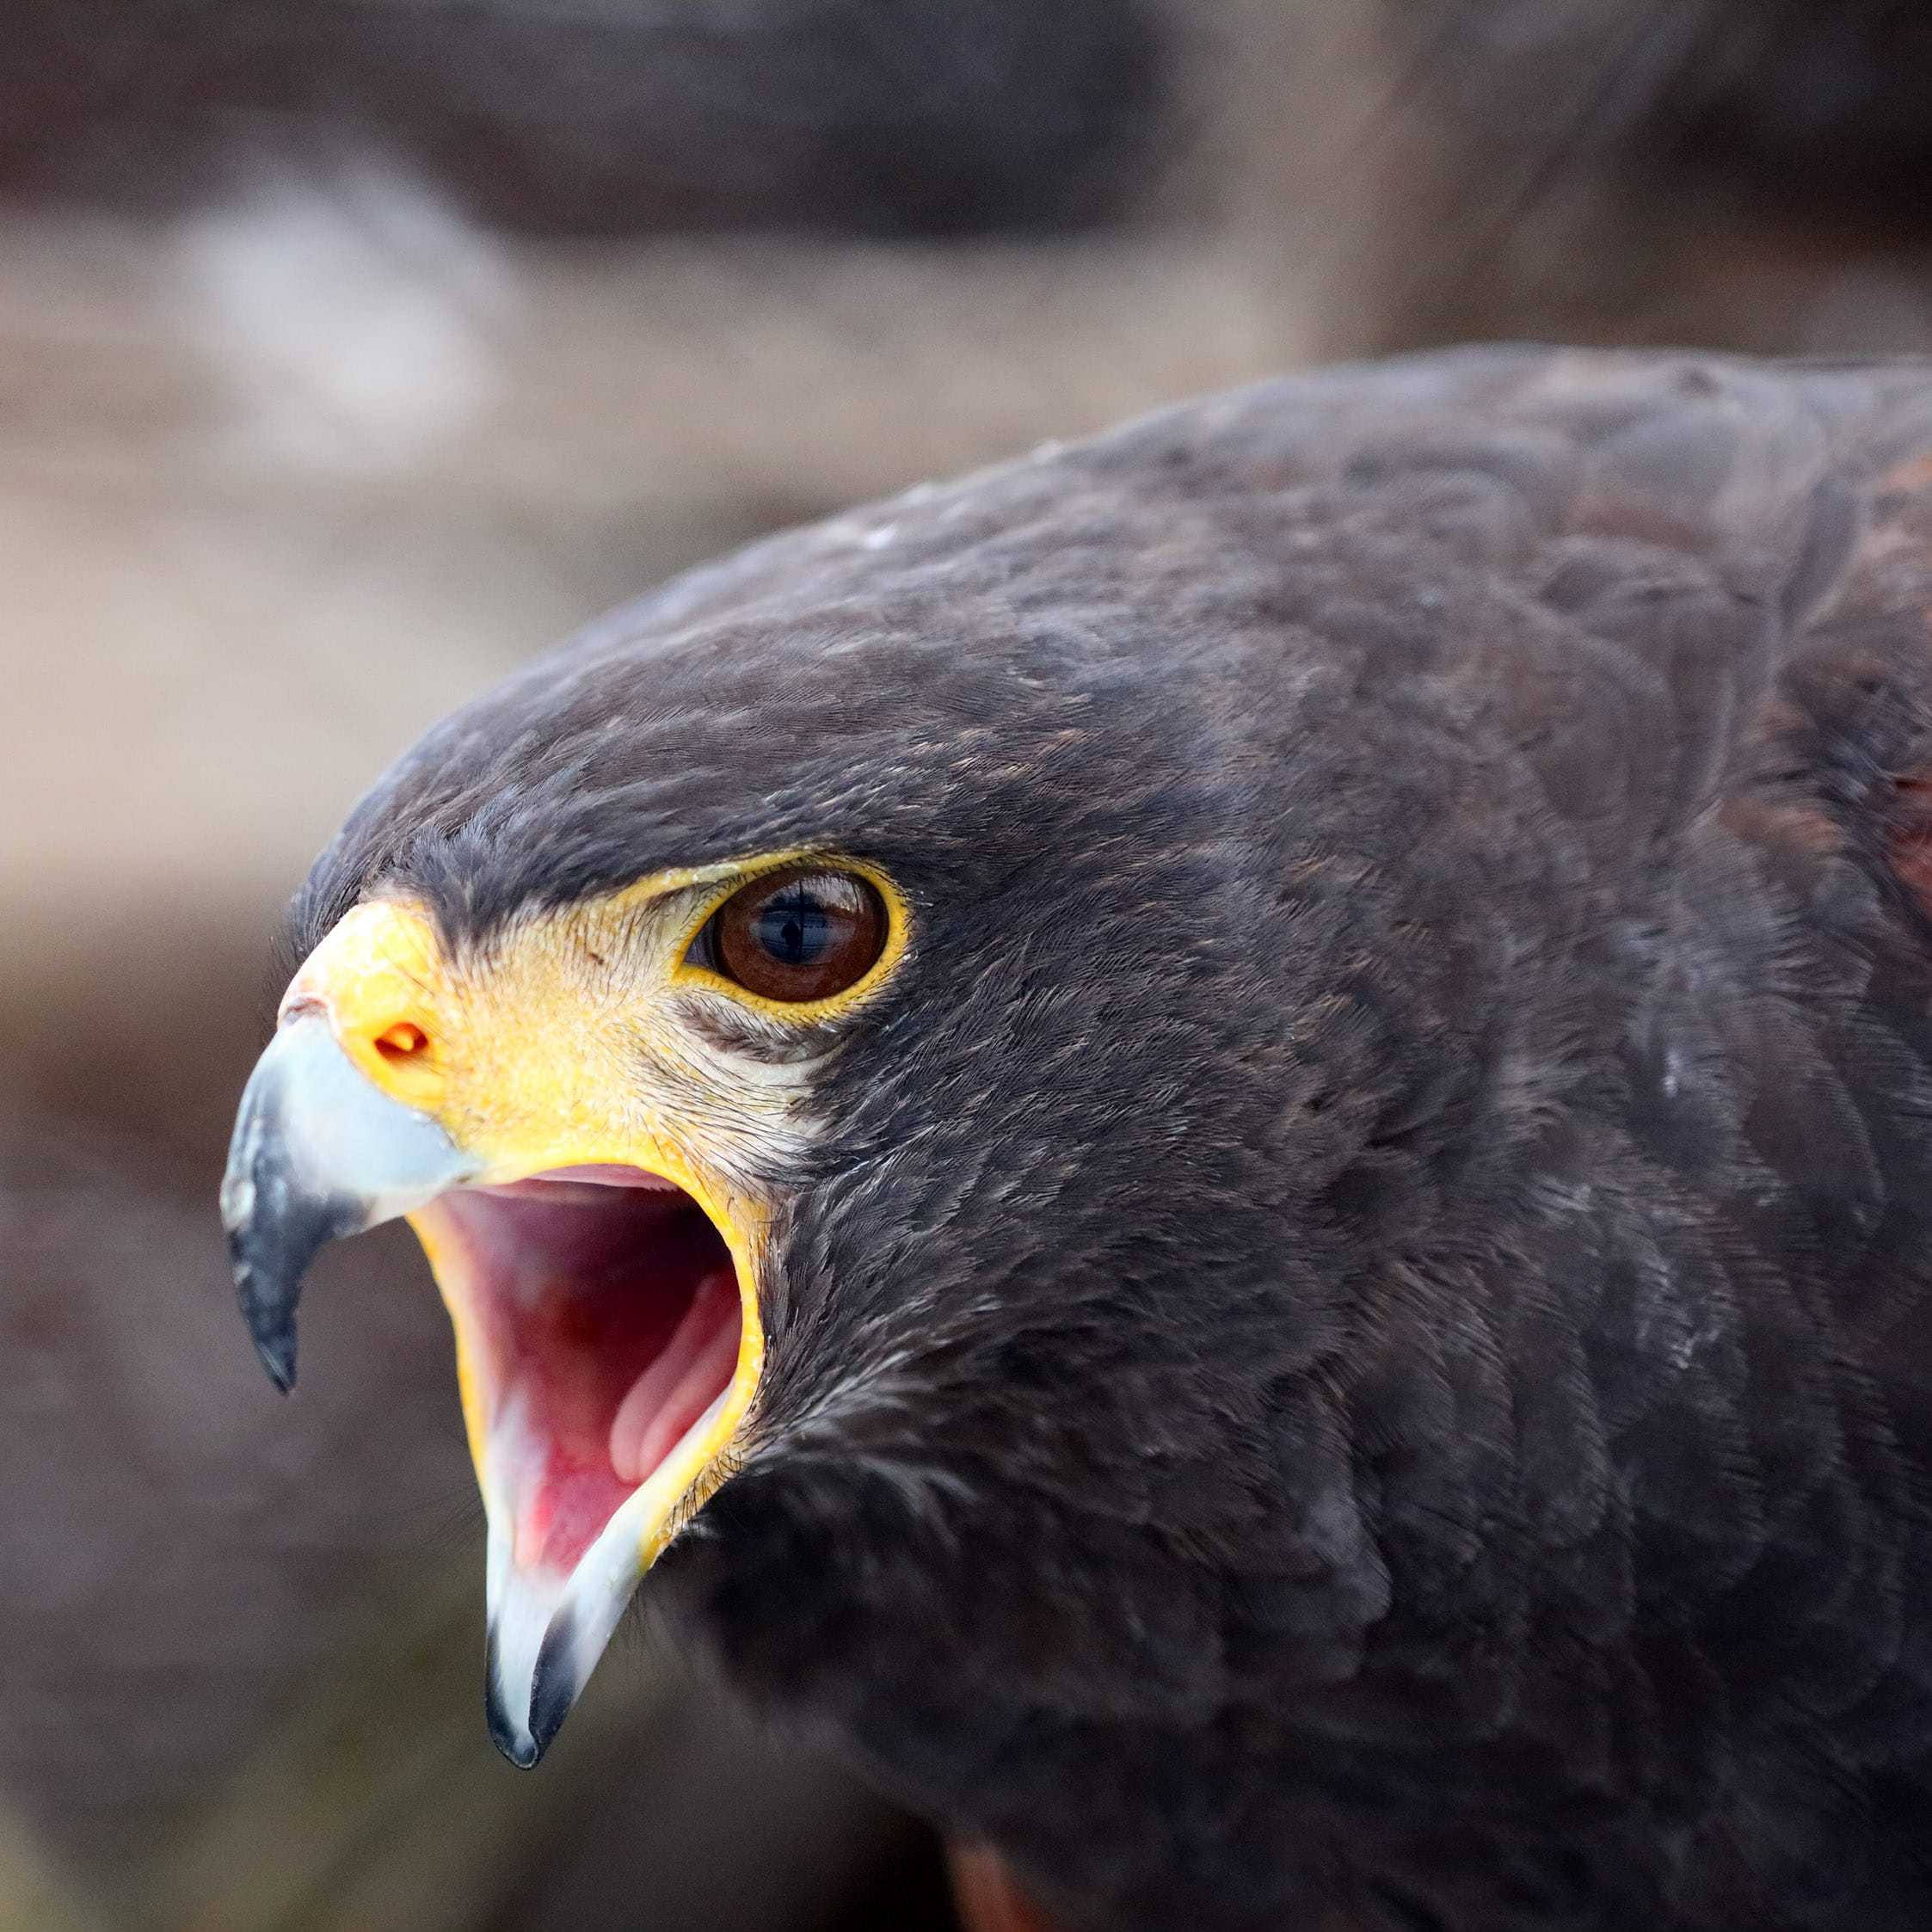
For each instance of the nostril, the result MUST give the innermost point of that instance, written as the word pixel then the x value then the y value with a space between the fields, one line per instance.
pixel 403 1041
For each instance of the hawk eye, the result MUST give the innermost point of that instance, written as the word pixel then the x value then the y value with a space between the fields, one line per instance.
pixel 802 934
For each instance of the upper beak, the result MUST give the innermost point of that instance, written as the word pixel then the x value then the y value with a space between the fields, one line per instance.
pixel 318 1152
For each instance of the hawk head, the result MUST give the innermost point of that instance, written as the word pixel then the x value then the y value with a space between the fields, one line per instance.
pixel 843 1030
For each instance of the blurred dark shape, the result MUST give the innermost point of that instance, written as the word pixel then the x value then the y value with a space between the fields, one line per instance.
pixel 1821 108
pixel 1816 109
pixel 696 1824
pixel 1754 177
pixel 870 117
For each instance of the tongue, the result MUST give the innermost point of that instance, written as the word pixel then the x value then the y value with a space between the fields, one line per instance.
pixel 695 1364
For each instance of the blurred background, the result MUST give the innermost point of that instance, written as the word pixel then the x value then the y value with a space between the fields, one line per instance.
pixel 352 350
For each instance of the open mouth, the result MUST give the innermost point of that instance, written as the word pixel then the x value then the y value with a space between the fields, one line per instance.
pixel 598 1330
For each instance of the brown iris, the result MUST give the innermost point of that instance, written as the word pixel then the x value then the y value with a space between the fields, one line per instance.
pixel 799 934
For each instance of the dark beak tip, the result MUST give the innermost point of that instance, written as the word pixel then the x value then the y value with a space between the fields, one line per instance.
pixel 278 1357
pixel 519 1748
pixel 552 1695
pixel 268 1310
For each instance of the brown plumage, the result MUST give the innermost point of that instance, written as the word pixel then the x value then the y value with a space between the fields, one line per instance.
pixel 1356 1342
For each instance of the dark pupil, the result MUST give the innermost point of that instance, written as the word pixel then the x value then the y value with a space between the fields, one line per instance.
pixel 794 928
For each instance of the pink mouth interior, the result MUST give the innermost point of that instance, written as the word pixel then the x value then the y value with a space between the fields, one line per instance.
pixel 606 1308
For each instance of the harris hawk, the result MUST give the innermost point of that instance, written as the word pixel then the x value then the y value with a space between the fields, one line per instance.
pixel 1223 1142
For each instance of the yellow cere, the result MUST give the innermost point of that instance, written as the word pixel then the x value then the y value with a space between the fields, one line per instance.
pixel 561 1043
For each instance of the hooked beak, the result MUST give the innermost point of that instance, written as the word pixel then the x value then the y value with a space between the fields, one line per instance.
pixel 598 1273
pixel 318 1152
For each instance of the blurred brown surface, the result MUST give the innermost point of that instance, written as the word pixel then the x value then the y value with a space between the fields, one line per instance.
pixel 294 454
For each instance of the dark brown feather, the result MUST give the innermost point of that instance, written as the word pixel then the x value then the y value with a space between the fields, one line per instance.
pixel 1358 1342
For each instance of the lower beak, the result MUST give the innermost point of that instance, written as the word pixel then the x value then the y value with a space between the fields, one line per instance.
pixel 605 1348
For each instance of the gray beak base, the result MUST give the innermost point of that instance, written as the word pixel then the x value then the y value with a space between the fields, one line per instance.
pixel 319 1151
